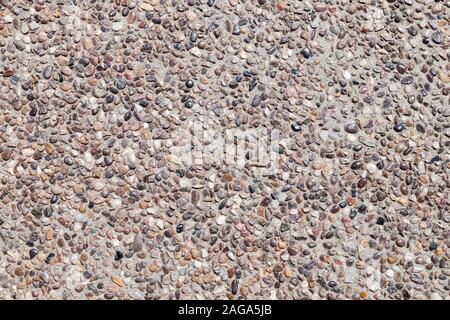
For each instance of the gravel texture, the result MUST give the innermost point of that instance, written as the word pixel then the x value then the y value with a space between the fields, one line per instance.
pixel 112 184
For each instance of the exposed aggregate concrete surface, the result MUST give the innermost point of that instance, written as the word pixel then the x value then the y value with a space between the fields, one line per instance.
pixel 224 149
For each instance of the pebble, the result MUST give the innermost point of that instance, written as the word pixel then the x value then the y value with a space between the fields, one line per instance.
pixel 401 68
pixel 47 72
pixel 296 127
pixel 306 52
pixel 251 84
pixel 221 220
pixel 117 280
pixel 137 243
pixel 118 255
pixel 399 127
pixel 320 6
pixel 189 84
pixel 437 37
pixel 189 104
pixel 56 189
pixel 281 5
pixel 136 294
pixel 33 253
pixel 351 128
pixel 116 203
pixel 6 154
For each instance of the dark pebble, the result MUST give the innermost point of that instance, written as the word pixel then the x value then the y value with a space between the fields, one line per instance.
pixel 399 127
pixel 233 84
pixel 49 258
pixel 33 253
pixel 380 164
pixel 279 150
pixel 47 72
pixel 437 37
pixel 33 111
pixel 193 36
pixel 284 40
pixel 54 199
pixel 223 204
pixel 189 104
pixel 118 255
pixel 256 101
pixel 108 160
pixel 362 208
pixel 357 148
pixel 306 52
pixel 401 68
